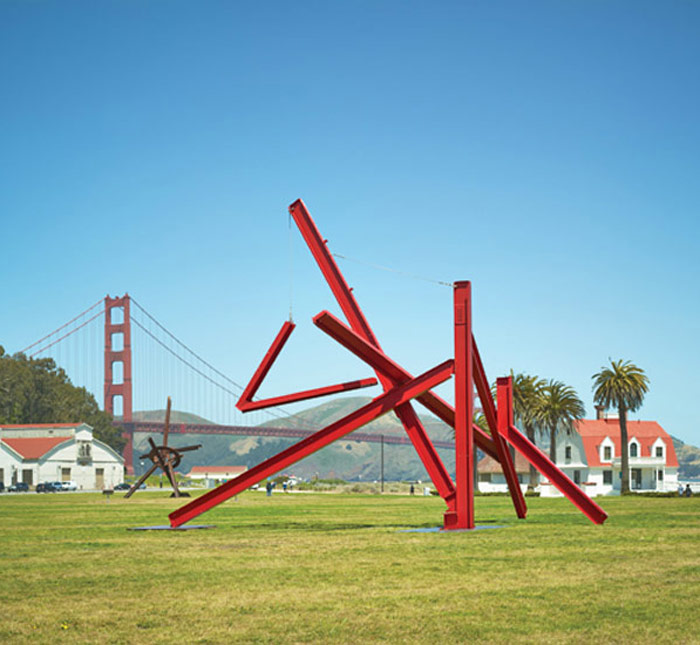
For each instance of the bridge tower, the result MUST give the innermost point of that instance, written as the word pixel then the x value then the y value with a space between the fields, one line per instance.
pixel 118 352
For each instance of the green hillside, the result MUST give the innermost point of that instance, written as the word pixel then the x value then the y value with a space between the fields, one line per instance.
pixel 324 414
pixel 348 459
pixel 176 416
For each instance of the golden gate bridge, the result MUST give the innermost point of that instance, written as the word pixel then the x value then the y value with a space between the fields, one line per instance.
pixel 116 344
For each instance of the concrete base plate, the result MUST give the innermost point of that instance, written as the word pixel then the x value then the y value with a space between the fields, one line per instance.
pixel 439 529
pixel 167 527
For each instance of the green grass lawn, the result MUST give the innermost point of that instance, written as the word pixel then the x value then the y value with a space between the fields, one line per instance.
pixel 324 568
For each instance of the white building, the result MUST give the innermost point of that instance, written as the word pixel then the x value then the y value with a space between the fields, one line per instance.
pixel 591 458
pixel 215 475
pixel 492 480
pixel 36 453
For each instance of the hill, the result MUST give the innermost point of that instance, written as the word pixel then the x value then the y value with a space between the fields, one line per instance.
pixel 688 459
pixel 349 459
pixel 326 413
pixel 176 416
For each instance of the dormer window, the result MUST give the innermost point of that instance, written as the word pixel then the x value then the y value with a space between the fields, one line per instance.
pixel 634 450
pixel 607 453
pixel 659 451
pixel 567 453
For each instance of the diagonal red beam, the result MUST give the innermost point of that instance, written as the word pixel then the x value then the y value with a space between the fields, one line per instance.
pixel 495 426
pixel 270 356
pixel 384 403
pixel 380 362
pixel 343 295
pixel 245 402
pixel 563 484
pixel 305 395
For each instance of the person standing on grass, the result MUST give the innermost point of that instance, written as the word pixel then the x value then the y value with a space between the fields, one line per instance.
pixel 688 490
pixel 680 490
pixel 413 490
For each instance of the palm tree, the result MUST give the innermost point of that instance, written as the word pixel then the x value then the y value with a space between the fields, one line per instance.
pixel 527 395
pixel 559 408
pixel 623 385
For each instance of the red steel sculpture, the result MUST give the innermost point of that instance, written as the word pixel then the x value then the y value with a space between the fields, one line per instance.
pixel 400 388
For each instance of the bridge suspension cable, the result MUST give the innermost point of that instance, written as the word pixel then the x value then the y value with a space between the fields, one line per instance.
pixel 55 331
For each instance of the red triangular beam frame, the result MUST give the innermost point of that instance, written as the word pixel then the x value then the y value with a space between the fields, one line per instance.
pixel 245 402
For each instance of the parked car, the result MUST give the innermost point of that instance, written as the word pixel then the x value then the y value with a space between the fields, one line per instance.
pixel 57 486
pixel 122 486
pixel 45 487
pixel 69 485
pixel 19 487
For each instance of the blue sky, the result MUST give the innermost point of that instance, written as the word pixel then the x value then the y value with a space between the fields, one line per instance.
pixel 547 151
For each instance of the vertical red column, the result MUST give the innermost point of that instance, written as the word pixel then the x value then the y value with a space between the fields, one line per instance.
pixel 463 515
pixel 122 355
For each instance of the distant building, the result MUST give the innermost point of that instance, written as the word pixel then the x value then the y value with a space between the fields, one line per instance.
pixel 214 475
pixel 491 477
pixel 591 458
pixel 33 453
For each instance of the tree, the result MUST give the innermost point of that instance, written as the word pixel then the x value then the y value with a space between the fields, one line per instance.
pixel 38 391
pixel 527 398
pixel 623 386
pixel 559 408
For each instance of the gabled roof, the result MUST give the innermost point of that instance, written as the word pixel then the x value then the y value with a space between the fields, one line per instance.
pixel 594 431
pixel 217 470
pixel 490 465
pixel 28 426
pixel 33 447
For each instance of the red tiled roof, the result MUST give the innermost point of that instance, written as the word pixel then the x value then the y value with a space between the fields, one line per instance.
pixel 217 470
pixel 490 465
pixel 594 431
pixel 20 426
pixel 33 447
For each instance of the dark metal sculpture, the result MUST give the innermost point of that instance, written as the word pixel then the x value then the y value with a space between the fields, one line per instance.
pixel 165 458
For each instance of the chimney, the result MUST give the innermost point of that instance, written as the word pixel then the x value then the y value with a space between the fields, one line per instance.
pixel 599 412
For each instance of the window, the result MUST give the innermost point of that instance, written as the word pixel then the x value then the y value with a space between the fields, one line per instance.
pixel 577 477
pixel 660 475
pixel 633 450
pixel 567 453
pixel 607 477
pixel 65 474
pixel 84 452
pixel 659 451
pixel 607 453
pixel 484 477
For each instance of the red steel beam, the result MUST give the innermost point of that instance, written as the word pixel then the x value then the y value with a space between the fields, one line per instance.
pixel 381 363
pixel 305 395
pixel 245 402
pixel 563 484
pixel 343 295
pixel 376 408
pixel 270 356
pixel 462 517
pixel 504 456
pixel 504 393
